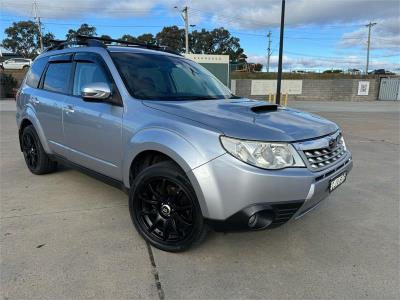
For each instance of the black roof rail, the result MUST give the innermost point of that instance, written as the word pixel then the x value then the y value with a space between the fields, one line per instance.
pixel 108 41
pixel 62 44
pixel 94 41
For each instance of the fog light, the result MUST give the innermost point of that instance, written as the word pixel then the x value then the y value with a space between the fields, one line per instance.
pixel 252 221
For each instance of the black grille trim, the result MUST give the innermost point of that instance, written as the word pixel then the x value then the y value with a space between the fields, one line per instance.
pixel 284 212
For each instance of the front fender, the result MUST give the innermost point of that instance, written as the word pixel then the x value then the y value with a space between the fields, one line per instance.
pixel 29 114
pixel 168 142
pixel 185 153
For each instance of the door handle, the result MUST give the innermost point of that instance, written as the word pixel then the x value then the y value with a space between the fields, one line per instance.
pixel 35 100
pixel 69 109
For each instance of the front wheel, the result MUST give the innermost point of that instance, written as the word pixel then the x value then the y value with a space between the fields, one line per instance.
pixel 164 208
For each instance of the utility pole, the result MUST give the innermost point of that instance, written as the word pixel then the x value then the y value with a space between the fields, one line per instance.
pixel 269 50
pixel 369 25
pixel 39 24
pixel 186 19
pixel 279 79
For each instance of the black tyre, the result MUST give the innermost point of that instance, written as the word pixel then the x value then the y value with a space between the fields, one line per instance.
pixel 36 158
pixel 164 208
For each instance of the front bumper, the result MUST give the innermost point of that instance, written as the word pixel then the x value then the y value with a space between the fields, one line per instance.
pixel 230 191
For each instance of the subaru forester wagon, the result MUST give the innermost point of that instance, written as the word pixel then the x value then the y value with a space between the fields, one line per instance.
pixel 190 154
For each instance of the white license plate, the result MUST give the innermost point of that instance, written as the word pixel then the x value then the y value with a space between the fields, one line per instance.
pixel 338 180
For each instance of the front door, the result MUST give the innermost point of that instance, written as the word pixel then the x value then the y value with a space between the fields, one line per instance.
pixel 93 130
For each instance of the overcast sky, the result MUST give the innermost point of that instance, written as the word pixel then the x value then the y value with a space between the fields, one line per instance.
pixel 319 34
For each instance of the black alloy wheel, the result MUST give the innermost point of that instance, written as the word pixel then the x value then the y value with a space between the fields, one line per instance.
pixel 37 160
pixel 30 150
pixel 164 208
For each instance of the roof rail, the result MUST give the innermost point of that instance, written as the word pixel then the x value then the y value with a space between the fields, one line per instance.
pixel 63 44
pixel 94 41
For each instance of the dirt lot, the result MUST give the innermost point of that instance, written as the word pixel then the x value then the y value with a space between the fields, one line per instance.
pixel 67 235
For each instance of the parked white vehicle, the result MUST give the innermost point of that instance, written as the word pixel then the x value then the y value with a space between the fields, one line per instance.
pixel 16 63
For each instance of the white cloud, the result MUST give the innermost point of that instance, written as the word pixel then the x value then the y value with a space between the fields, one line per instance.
pixel 255 14
pixel 384 35
pixel 309 63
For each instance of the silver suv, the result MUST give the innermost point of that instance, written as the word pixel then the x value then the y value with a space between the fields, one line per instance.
pixel 190 154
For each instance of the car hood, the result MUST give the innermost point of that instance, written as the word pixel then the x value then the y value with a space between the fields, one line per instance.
pixel 249 119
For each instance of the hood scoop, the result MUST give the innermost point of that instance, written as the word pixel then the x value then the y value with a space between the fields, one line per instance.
pixel 264 108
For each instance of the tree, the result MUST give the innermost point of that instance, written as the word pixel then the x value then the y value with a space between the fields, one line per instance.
pixel 47 38
pixel 105 36
pixel 201 42
pixel 85 29
pixel 128 38
pixel 172 37
pixel 258 67
pixel 146 38
pixel 23 38
pixel 224 43
pixel 217 41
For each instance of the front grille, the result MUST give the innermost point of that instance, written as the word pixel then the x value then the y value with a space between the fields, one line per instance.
pixel 323 157
pixel 284 212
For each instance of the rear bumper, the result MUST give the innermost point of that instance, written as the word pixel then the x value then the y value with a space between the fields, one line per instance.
pixel 230 192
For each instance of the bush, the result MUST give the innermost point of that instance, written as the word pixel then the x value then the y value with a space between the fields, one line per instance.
pixel 7 83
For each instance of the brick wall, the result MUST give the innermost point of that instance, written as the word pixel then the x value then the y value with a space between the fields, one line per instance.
pixel 320 90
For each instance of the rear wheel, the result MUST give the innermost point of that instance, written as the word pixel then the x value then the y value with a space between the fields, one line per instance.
pixel 36 158
pixel 164 208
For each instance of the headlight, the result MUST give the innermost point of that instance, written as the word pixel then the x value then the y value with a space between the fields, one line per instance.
pixel 341 141
pixel 263 155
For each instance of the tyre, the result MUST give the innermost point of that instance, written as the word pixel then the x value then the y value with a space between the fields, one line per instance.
pixel 25 68
pixel 36 158
pixel 164 208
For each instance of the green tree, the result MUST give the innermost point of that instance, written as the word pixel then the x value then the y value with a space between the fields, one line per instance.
pixel 146 38
pixel 172 37
pixel 224 43
pixel 258 67
pixel 85 29
pixel 201 42
pixel 47 38
pixel 105 36
pixel 128 38
pixel 217 41
pixel 23 38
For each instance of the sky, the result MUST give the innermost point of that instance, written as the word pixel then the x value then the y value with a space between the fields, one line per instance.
pixel 319 34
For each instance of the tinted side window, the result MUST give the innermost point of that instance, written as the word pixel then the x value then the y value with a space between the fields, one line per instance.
pixel 33 76
pixel 87 72
pixel 57 77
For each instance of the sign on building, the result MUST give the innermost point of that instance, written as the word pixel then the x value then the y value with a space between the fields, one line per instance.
pixel 265 87
pixel 218 65
pixel 363 88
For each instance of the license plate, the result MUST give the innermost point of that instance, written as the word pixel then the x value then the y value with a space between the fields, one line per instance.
pixel 338 180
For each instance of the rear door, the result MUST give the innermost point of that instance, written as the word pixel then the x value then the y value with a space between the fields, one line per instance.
pixel 93 130
pixel 48 99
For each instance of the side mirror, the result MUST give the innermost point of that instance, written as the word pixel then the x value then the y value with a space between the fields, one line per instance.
pixel 96 91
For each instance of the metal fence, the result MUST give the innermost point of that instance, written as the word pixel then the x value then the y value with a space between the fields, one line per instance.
pixel 389 89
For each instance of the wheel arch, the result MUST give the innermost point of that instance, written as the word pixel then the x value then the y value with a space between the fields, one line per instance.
pixel 29 118
pixel 161 145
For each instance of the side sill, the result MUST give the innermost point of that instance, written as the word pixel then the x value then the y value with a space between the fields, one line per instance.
pixel 104 178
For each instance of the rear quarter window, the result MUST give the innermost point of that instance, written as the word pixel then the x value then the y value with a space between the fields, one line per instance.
pixel 57 77
pixel 35 72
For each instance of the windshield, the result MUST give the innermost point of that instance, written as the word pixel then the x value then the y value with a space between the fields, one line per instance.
pixel 166 77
